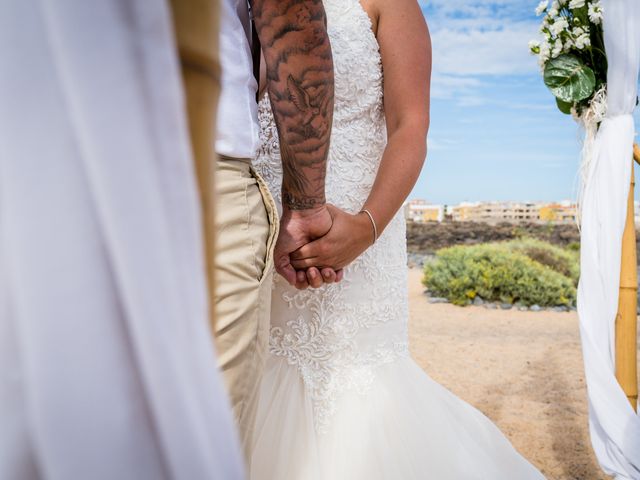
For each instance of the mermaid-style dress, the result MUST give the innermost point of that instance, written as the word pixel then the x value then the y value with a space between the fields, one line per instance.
pixel 341 399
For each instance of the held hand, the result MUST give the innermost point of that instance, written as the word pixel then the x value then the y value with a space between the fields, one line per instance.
pixel 297 228
pixel 350 235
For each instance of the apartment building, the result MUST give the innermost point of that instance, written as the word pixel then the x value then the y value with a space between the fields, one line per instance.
pixel 421 211
pixel 494 212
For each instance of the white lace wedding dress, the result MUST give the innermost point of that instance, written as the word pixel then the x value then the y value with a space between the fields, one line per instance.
pixel 341 398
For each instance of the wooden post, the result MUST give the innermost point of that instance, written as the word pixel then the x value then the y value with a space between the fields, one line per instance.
pixel 626 319
pixel 196 30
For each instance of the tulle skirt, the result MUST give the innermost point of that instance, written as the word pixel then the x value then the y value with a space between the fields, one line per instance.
pixel 405 426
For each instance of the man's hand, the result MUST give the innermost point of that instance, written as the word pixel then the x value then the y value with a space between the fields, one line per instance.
pixel 349 236
pixel 297 228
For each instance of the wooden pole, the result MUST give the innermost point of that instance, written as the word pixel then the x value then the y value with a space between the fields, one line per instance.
pixel 196 30
pixel 626 319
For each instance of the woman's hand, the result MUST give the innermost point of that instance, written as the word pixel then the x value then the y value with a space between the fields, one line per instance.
pixel 297 228
pixel 349 236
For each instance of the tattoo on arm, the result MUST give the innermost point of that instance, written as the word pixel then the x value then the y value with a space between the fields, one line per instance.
pixel 299 65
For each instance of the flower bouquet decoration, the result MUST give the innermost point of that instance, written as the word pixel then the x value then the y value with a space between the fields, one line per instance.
pixel 573 61
pixel 571 53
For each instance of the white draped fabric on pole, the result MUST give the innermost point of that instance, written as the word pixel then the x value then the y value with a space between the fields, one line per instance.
pixel 614 426
pixel 107 368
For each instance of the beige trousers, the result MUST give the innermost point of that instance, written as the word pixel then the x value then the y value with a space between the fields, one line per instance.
pixel 246 224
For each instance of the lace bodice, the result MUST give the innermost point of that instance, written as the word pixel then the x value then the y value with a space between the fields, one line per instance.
pixel 339 334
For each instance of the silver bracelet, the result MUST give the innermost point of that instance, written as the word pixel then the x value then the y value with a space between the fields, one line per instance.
pixel 373 222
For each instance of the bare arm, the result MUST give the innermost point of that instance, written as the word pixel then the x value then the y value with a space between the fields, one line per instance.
pixel 299 66
pixel 405 48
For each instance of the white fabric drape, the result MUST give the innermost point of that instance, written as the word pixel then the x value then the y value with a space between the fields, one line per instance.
pixel 614 426
pixel 107 368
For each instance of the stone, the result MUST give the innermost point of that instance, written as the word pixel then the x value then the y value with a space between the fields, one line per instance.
pixel 478 300
pixel 506 306
pixel 438 300
pixel 535 308
pixel 490 306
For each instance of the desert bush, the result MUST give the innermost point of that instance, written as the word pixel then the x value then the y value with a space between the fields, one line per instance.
pixel 561 260
pixel 496 272
pixel 573 247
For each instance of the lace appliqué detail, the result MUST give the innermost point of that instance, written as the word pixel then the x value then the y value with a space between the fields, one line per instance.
pixel 339 335
pixel 323 341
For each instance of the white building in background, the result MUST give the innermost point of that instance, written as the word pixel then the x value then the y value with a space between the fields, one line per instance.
pixel 562 212
pixel 514 212
pixel 421 211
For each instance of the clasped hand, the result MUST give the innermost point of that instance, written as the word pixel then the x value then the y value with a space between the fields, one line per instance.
pixel 315 245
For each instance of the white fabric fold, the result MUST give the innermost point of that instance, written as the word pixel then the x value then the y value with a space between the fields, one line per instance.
pixel 614 426
pixel 108 368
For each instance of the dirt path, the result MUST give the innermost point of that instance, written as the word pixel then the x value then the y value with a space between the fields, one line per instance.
pixel 522 369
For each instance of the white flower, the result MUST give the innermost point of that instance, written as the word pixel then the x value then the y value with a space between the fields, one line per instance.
pixel 542 6
pixel 558 26
pixel 534 47
pixel 583 41
pixel 557 48
pixel 554 9
pixel 568 44
pixel 576 32
pixel 542 63
pixel 544 26
pixel 545 52
pixel 595 13
pixel 576 4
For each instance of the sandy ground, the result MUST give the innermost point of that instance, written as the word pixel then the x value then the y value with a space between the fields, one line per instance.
pixel 522 369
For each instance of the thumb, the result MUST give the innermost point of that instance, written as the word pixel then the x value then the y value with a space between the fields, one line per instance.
pixel 310 250
pixel 284 268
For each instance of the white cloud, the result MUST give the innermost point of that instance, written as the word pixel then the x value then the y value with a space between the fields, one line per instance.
pixel 446 87
pixel 471 101
pixel 473 39
pixel 475 51
pixel 439 144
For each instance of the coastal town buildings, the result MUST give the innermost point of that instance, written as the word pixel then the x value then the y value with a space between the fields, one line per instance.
pixel 419 210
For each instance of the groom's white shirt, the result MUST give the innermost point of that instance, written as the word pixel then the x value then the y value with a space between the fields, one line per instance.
pixel 107 368
pixel 237 121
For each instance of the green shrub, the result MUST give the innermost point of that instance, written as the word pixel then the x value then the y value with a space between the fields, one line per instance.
pixel 497 272
pixel 573 247
pixel 561 260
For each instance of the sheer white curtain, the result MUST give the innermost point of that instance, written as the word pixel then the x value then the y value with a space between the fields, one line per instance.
pixel 107 368
pixel 615 427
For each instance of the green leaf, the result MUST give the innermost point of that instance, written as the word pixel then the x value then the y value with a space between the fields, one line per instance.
pixel 564 107
pixel 569 79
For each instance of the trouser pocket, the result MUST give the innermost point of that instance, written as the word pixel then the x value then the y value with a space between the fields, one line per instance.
pixel 274 223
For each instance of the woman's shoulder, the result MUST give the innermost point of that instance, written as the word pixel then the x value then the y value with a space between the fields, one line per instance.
pixel 377 9
pixel 371 7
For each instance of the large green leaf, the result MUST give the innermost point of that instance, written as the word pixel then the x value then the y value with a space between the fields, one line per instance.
pixel 569 79
pixel 564 107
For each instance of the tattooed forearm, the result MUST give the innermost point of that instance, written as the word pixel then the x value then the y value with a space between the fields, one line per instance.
pixel 299 65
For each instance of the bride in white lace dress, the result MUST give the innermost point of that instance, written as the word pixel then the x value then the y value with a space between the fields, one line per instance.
pixel 341 399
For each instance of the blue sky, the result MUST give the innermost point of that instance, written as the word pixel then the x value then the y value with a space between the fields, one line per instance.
pixel 495 131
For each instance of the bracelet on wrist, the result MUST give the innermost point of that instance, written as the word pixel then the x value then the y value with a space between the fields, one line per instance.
pixel 373 224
